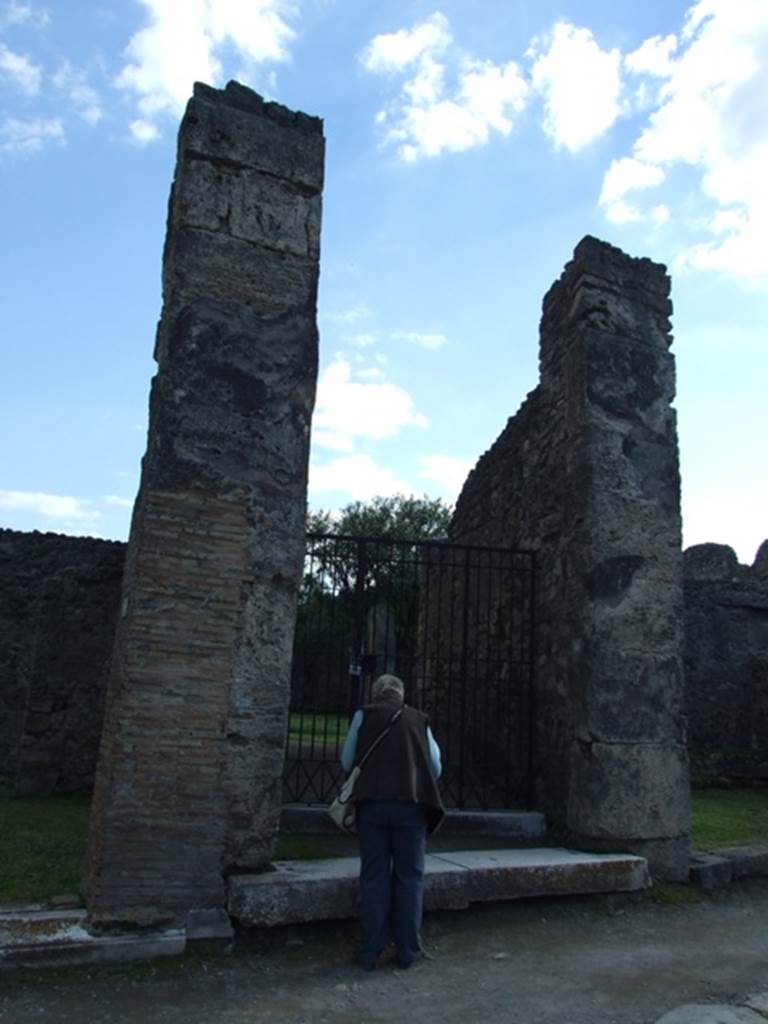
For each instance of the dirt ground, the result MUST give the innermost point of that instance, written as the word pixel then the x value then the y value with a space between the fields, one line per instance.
pixel 589 960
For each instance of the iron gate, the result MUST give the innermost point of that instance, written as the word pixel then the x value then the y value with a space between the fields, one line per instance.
pixel 455 622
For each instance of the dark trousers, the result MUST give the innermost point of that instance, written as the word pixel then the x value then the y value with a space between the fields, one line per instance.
pixel 392 836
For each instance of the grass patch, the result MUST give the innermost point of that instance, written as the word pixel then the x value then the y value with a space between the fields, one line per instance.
pixel 43 839
pixel 674 895
pixel 317 724
pixel 42 845
pixel 728 817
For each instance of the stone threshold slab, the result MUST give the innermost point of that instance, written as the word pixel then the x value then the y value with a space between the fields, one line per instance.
pixel 316 890
pixel 314 819
pixel 718 868
pixel 49 938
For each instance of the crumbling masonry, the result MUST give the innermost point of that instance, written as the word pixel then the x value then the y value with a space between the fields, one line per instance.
pixel 188 780
pixel 586 474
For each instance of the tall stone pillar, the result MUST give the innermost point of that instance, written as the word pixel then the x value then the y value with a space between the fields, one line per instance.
pixel 586 475
pixel 188 781
pixel 605 340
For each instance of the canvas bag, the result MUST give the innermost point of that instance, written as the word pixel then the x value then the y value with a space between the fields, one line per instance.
pixel 343 811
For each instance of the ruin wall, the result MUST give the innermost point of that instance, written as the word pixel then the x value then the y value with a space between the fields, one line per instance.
pixel 726 664
pixel 586 474
pixel 58 606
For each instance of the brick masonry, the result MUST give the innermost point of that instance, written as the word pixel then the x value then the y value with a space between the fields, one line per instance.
pixel 58 605
pixel 188 782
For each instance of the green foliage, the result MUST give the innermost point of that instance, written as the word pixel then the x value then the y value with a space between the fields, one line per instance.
pixel 317 723
pixel 397 517
pixel 378 566
pixel 42 845
pixel 321 731
pixel 728 817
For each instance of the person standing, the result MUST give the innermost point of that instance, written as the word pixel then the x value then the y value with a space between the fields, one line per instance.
pixel 397 803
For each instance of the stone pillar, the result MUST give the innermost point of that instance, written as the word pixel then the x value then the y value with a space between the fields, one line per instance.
pixel 586 475
pixel 188 784
pixel 605 348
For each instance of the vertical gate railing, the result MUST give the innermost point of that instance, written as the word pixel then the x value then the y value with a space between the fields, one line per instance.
pixel 455 622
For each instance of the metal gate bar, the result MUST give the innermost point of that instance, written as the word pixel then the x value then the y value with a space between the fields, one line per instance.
pixel 455 622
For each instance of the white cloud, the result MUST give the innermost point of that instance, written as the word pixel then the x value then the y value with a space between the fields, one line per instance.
pixel 653 56
pixel 357 476
pixel 72 82
pixel 428 116
pixel 580 84
pixel 143 132
pixel 626 175
pixel 371 373
pixel 363 340
pixel 711 117
pixel 52 506
pixel 116 500
pixel 184 42
pixel 350 316
pixel 660 214
pixel 332 440
pixel 347 409
pixel 448 471
pixel 20 70
pixel 29 136
pixel 393 51
pixel 430 340
pixel 15 13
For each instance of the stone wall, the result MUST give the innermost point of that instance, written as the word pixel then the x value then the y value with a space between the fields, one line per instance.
pixel 726 663
pixel 188 781
pixel 586 474
pixel 58 605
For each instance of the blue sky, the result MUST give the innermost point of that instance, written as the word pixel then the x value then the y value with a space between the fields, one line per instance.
pixel 469 147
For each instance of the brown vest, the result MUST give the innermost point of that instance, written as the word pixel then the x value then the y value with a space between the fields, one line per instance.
pixel 399 768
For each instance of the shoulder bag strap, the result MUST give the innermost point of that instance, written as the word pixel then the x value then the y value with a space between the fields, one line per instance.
pixel 380 737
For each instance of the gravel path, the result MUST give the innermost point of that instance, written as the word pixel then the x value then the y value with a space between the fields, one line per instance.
pixel 590 960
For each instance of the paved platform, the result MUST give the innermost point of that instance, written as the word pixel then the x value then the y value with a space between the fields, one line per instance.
pixel 300 891
pixel 313 819
pixel 40 937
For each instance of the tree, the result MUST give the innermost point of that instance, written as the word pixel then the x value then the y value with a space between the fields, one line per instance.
pixel 396 517
pixel 353 588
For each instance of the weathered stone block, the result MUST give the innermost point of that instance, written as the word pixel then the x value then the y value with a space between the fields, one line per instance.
pixel 710 871
pixel 586 474
pixel 219 125
pixel 188 785
pixel 248 205
pixel 629 790
pixel 630 696
pixel 748 861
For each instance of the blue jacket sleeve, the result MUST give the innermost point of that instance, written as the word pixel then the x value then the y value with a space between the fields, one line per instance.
pixel 434 755
pixel 349 749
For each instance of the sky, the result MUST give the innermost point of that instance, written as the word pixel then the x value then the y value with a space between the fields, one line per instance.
pixel 470 146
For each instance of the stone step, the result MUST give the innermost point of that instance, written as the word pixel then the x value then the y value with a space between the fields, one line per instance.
pixel 52 938
pixel 298 891
pixel 313 819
